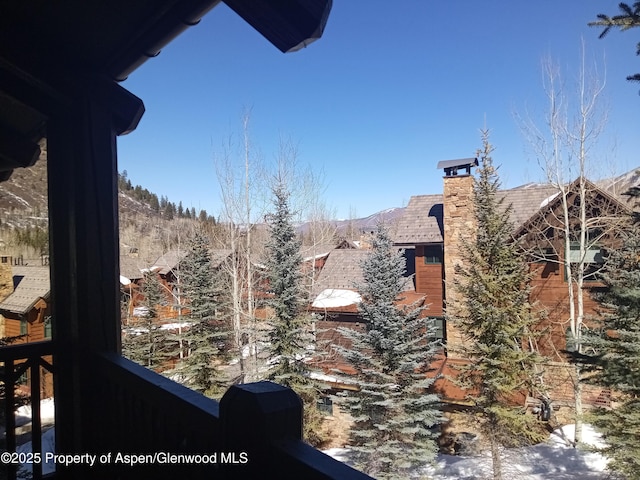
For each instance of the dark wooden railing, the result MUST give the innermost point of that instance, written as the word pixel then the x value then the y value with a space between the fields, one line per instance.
pixel 254 432
pixel 17 360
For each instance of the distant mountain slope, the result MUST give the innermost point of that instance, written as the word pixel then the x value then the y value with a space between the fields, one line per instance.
pixel 26 190
pixel 23 203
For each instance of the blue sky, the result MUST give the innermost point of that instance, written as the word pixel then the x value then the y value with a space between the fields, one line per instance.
pixel 390 89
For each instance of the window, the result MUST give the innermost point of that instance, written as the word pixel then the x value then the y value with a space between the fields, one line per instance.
pixel 592 254
pixel 23 327
pixel 438 333
pixel 47 326
pixel 593 260
pixel 433 254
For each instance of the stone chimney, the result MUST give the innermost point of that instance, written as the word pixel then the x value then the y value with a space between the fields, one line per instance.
pixel 6 276
pixel 458 224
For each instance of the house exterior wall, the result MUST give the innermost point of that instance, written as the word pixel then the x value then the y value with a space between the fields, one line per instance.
pixel 549 293
pixel 328 335
pixel 430 282
pixel 35 333
pixel 35 327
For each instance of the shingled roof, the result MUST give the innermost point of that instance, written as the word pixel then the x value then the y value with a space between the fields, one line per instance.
pixel 131 267
pixel 32 285
pixel 342 271
pixel 422 221
pixel 172 259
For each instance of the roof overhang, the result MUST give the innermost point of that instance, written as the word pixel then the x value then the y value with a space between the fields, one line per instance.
pixel 50 50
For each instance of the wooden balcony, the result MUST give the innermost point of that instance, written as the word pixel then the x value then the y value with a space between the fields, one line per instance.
pixel 59 73
pixel 256 428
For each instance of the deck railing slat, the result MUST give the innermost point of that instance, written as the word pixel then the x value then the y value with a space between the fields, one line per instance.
pixel 144 412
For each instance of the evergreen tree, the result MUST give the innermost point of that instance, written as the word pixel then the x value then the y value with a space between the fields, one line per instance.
pixel 170 211
pixel 618 357
pixel 154 203
pixel 496 319
pixel 629 17
pixel 207 333
pixel 290 332
pixel 393 412
pixel 146 342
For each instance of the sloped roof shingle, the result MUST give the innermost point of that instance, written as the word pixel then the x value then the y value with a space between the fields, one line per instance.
pixel 172 259
pixel 423 218
pixel 33 285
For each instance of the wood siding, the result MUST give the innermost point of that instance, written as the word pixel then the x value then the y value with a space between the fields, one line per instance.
pixel 429 281
pixel 550 293
pixel 328 335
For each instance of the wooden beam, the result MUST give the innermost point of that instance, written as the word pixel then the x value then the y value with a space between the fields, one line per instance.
pixel 83 213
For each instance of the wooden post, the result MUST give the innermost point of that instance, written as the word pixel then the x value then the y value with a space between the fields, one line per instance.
pixel 83 212
pixel 253 417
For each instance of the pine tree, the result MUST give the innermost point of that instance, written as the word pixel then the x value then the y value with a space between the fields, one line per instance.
pixel 618 357
pixel 496 319
pixel 290 332
pixel 207 333
pixel 393 413
pixel 146 341
pixel 629 17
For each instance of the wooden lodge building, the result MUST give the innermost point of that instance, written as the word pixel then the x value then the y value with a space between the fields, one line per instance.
pixel 431 232
pixel 25 314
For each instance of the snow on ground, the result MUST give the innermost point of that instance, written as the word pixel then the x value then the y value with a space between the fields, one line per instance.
pixel 48 446
pixel 23 413
pixel 555 459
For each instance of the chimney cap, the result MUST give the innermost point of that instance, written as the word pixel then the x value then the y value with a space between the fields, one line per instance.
pixel 451 167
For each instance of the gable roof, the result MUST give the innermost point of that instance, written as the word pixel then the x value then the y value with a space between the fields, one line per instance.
pixel 168 261
pixel 342 271
pixel 423 218
pixel 615 203
pixel 131 267
pixel 33 285
pixel 172 259
pixel 421 221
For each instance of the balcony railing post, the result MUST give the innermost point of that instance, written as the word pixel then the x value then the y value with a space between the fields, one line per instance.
pixel 254 417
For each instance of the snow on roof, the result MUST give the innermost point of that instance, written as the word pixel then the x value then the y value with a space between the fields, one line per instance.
pixel 336 297
pixel 548 200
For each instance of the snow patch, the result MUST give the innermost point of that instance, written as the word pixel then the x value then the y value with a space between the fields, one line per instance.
pixel 548 200
pixel 24 413
pixel 555 459
pixel 336 297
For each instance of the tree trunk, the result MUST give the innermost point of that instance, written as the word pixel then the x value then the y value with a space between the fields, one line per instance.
pixel 496 460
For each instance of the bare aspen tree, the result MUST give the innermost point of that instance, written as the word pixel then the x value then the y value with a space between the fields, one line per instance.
pixel 579 216
pixel 240 176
